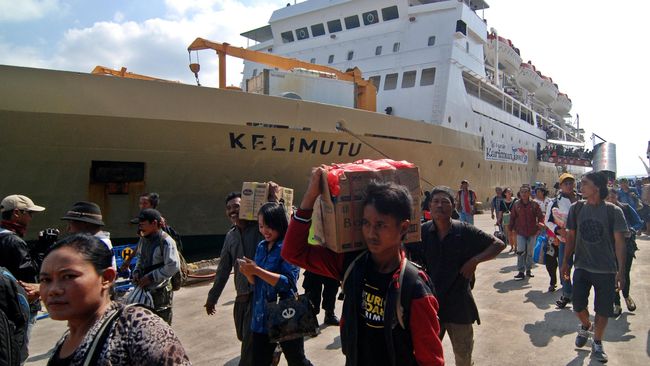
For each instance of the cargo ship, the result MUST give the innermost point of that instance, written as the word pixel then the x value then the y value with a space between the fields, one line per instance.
pixel 427 81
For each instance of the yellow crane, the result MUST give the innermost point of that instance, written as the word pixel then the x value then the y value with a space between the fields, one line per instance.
pixel 366 93
pixel 122 73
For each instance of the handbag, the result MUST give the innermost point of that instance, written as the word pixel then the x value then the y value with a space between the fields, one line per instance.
pixel 291 318
pixel 139 296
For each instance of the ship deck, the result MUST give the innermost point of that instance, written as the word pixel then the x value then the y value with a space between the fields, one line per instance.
pixel 519 323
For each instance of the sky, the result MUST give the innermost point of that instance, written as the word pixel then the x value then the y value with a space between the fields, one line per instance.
pixel 594 51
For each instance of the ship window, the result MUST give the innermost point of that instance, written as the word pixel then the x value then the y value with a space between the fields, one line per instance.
pixel 317 30
pixel 334 26
pixel 302 33
pixel 350 55
pixel 254 72
pixel 352 22
pixel 390 82
pixel 330 59
pixel 370 17
pixel 408 79
pixel 313 60
pixel 428 76
pixel 461 27
pixel 375 80
pixel 287 37
pixel 396 47
pixel 432 41
pixel 378 51
pixel 390 13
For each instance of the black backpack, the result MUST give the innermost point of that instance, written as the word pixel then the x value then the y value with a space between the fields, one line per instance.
pixel 14 319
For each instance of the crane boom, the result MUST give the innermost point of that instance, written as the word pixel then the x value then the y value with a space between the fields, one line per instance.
pixel 122 73
pixel 366 93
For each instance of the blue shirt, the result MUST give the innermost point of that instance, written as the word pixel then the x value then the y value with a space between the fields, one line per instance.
pixel 628 197
pixel 263 292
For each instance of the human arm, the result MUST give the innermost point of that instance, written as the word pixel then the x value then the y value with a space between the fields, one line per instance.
pixel 492 247
pixel 569 249
pixel 621 252
pixel 634 220
pixel 296 249
pixel 513 216
pixel 425 328
pixel 226 263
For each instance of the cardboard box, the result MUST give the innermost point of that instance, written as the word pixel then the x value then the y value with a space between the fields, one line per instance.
pixel 337 222
pixel 255 194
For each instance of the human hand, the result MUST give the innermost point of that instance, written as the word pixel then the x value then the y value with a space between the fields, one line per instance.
pixel 620 281
pixel 33 290
pixel 248 268
pixel 274 192
pixel 210 307
pixel 468 269
pixel 565 272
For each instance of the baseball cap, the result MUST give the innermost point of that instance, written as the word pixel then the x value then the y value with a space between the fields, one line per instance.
pixel 149 214
pixel 566 176
pixel 19 202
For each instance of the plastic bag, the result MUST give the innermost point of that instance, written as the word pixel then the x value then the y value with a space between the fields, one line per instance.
pixel 139 296
pixel 540 250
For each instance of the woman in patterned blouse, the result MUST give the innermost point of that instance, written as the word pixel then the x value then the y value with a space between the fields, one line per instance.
pixel 76 278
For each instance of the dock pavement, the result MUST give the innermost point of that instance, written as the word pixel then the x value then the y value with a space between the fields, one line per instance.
pixel 520 324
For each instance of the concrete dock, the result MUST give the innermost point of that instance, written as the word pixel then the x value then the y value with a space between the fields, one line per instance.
pixel 519 323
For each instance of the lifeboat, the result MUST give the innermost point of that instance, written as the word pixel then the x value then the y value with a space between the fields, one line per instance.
pixel 561 105
pixel 509 59
pixel 528 78
pixel 547 92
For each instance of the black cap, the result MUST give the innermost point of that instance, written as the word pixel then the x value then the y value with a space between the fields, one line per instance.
pixel 85 212
pixel 149 214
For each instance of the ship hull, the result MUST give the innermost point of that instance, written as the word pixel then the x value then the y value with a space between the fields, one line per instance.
pixel 194 145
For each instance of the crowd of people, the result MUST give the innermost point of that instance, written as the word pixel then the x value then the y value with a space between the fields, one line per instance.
pixel 555 151
pixel 400 299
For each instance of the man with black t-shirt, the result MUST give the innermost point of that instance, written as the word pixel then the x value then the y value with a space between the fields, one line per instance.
pixel 450 251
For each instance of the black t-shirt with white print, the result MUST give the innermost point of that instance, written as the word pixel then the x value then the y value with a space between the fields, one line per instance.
pixel 372 341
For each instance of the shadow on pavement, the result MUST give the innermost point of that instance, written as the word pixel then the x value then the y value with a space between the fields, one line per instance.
pixel 618 329
pixel 511 285
pixel 336 343
pixel 543 300
pixel 233 362
pixel 508 269
pixel 40 357
pixel 558 323
pixel 583 354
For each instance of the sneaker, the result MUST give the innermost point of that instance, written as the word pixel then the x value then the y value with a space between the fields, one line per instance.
pixel 582 337
pixel 331 319
pixel 617 311
pixel 631 305
pixel 562 302
pixel 529 274
pixel 520 276
pixel 598 353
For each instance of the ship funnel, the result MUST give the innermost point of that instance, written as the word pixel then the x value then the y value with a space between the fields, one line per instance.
pixel 605 157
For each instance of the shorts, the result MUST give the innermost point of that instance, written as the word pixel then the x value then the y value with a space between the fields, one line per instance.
pixel 604 285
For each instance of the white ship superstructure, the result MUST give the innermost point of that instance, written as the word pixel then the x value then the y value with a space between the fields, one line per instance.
pixel 431 61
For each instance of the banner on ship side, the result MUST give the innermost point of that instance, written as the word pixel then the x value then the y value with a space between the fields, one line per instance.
pixel 505 153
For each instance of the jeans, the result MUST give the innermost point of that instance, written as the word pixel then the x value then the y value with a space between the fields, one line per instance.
pixel 525 247
pixel 462 341
pixel 567 287
pixel 467 217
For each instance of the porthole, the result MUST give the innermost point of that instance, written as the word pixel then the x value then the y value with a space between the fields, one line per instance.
pixel 512 138
pixel 490 166
pixel 462 164
pixel 440 163
pixel 480 128
pixel 520 141
pixel 501 167
pixel 449 119
pixel 510 168
pixel 479 166
pixel 492 133
pixel 465 124
pixel 503 136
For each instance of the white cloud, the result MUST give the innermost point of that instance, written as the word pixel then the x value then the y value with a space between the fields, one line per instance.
pixel 157 47
pixel 22 10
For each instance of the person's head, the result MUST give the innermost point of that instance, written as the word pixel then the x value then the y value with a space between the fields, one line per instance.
pixel 625 184
pixel 507 193
pixel 594 185
pixel 272 221
pixel 524 192
pixel 84 217
pixel 149 221
pixel 233 201
pixel 386 216
pixel 149 200
pixel 76 277
pixel 464 185
pixel 541 193
pixel 442 203
pixel 19 209
pixel 612 196
pixel 567 183
pixel 498 191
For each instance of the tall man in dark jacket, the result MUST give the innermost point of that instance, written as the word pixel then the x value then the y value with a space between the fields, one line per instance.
pixel 450 252
pixel 241 241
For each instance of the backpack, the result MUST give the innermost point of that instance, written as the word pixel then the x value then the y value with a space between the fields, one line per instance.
pixel 14 320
